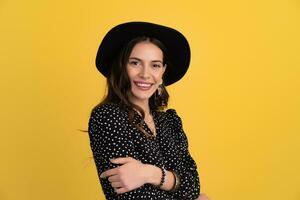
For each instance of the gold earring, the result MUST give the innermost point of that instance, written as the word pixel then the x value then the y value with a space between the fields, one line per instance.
pixel 159 89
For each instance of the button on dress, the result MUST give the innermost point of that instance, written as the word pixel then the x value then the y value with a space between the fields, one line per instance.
pixel 112 136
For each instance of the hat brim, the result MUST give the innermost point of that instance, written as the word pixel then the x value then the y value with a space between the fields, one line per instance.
pixel 176 44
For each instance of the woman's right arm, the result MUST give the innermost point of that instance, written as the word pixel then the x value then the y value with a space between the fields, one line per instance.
pixel 109 138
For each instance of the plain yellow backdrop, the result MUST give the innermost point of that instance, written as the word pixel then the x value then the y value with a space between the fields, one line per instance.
pixel 239 101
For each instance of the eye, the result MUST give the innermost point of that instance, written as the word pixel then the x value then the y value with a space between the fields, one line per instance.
pixel 156 65
pixel 133 62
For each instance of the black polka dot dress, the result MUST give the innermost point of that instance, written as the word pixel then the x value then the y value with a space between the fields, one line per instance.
pixel 112 136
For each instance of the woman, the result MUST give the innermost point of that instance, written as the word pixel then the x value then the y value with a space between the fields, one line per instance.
pixel 140 150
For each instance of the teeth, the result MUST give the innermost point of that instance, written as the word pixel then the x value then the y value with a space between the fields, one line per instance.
pixel 143 84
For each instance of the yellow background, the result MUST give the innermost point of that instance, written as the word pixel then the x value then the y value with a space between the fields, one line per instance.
pixel 239 101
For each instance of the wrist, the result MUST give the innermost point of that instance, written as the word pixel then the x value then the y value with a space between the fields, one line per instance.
pixel 153 174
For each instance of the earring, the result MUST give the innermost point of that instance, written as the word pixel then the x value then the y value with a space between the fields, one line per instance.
pixel 159 89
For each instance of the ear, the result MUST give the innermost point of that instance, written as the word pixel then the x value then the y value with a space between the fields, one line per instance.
pixel 164 68
pixel 161 82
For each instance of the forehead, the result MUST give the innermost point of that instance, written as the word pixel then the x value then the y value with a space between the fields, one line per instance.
pixel 146 50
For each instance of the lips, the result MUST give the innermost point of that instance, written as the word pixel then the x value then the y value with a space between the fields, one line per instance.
pixel 143 85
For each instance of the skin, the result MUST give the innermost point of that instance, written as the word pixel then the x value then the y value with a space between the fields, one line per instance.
pixel 145 70
pixel 145 65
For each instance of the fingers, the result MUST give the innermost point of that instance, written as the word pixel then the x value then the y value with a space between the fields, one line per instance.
pixel 120 190
pixel 116 184
pixel 121 160
pixel 109 172
pixel 114 178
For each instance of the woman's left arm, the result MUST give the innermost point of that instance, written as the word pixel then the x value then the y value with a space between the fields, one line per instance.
pixel 189 187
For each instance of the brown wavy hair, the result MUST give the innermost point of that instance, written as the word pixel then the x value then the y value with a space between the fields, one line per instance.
pixel 119 86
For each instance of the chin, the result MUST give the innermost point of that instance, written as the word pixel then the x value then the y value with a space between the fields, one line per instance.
pixel 142 96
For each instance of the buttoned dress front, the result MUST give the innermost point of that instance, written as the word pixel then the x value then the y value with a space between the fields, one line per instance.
pixel 112 136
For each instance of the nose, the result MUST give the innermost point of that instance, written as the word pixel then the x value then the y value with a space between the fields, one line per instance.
pixel 144 73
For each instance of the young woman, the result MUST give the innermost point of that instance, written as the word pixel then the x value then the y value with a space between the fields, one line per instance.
pixel 140 150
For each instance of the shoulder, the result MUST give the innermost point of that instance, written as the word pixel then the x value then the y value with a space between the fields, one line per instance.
pixel 176 122
pixel 107 113
pixel 107 110
pixel 107 121
pixel 170 115
pixel 171 112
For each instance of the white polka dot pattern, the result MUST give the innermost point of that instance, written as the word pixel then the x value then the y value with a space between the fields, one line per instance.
pixel 112 135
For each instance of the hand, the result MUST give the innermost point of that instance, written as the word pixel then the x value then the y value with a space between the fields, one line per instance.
pixel 127 177
pixel 202 197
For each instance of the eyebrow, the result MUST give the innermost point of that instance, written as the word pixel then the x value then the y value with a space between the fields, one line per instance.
pixel 141 59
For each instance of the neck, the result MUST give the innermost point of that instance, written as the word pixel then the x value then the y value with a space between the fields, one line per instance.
pixel 144 104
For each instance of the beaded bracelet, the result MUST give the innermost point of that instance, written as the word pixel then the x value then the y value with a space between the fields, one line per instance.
pixel 163 177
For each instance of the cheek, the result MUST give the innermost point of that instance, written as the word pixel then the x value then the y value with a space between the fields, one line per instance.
pixel 130 74
pixel 157 77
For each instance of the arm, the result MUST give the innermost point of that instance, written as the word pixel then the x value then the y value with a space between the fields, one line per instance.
pixel 189 188
pixel 109 138
pixel 154 175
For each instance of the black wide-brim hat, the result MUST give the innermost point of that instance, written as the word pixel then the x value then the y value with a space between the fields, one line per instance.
pixel 177 46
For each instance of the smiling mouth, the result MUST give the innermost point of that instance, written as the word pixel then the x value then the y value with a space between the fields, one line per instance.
pixel 143 85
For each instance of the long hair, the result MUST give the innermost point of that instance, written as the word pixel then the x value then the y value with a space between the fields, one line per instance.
pixel 119 86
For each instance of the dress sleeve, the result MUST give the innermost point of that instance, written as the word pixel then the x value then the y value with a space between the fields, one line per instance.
pixel 109 138
pixel 189 188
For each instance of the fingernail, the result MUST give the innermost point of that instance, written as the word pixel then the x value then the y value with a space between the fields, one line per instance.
pixel 102 175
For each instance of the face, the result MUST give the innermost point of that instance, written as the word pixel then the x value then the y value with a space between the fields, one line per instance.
pixel 145 70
